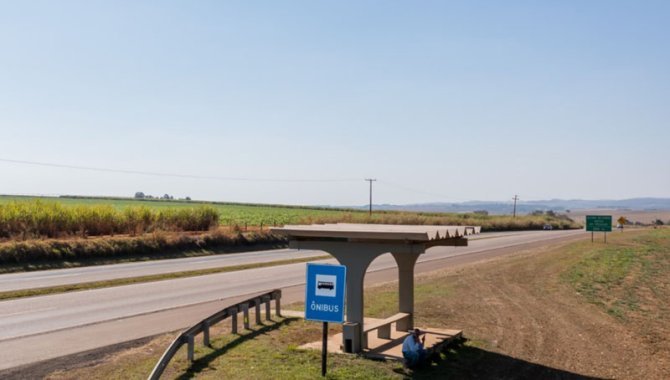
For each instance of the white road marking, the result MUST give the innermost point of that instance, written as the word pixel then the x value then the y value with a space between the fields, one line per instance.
pixel 28 312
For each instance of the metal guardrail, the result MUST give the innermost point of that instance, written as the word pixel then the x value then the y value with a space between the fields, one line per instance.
pixel 188 337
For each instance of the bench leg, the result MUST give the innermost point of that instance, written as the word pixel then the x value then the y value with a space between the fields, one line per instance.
pixel 384 332
pixel 403 324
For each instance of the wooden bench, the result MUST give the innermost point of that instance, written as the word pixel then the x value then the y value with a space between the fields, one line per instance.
pixel 383 327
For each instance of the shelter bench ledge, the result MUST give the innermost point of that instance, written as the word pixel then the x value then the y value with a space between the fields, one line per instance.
pixel 384 327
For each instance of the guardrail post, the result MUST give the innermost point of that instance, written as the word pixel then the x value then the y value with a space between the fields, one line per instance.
pixel 233 315
pixel 267 299
pixel 245 313
pixel 205 334
pixel 191 348
pixel 257 306
pixel 278 304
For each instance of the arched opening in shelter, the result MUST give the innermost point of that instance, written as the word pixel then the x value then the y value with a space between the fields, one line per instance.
pixel 381 288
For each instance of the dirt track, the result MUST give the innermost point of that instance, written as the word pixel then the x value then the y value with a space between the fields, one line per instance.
pixel 529 324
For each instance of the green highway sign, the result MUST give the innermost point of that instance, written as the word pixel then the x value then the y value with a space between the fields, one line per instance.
pixel 599 223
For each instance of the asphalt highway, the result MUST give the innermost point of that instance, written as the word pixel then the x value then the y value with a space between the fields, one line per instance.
pixel 40 328
pixel 56 277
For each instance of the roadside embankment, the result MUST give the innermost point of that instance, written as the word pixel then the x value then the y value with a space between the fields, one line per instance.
pixel 59 253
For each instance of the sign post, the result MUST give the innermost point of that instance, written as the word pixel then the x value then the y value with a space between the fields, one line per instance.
pixel 324 299
pixel 599 223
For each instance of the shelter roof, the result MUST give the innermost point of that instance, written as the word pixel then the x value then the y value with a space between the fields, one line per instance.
pixel 376 232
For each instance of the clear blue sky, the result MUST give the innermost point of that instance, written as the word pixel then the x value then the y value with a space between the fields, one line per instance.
pixel 441 101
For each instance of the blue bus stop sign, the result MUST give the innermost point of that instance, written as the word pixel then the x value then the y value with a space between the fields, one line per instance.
pixel 324 292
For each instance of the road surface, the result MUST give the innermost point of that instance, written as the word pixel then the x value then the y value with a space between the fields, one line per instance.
pixel 40 328
pixel 56 277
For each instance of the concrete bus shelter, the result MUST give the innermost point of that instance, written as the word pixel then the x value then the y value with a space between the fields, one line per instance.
pixel 357 245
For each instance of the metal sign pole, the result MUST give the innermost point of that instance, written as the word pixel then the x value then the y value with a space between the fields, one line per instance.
pixel 324 299
pixel 324 349
pixel 591 236
pixel 605 237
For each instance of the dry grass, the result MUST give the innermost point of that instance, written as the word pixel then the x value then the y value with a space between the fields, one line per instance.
pixel 55 253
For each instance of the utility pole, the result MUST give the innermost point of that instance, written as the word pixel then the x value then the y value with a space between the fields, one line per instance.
pixel 516 198
pixel 371 180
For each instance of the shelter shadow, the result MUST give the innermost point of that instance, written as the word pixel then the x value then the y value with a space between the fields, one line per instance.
pixel 460 361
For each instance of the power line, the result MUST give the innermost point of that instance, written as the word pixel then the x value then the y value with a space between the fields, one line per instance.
pixel 442 196
pixel 175 175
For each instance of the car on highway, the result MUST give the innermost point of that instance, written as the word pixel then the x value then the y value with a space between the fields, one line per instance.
pixel 548 227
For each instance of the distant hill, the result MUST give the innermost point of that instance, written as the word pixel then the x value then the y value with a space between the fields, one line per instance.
pixel 523 207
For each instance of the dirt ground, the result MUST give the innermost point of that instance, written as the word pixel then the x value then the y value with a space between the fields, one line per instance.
pixel 524 322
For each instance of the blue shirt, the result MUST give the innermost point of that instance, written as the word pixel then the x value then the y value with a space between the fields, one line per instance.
pixel 410 345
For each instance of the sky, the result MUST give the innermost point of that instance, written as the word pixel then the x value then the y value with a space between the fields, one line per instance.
pixel 297 102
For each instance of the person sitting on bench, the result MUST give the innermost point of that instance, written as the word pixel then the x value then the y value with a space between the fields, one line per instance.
pixel 412 349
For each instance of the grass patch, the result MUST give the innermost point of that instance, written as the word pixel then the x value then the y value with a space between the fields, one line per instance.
pixel 268 351
pixel 626 275
pixel 385 300
pixel 158 277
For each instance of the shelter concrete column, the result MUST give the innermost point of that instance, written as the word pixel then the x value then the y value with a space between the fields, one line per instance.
pixel 357 264
pixel 406 262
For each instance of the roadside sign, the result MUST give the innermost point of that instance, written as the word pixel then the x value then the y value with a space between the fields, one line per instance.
pixel 324 292
pixel 324 299
pixel 599 223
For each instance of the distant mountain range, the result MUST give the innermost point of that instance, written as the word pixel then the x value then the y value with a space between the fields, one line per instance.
pixel 524 207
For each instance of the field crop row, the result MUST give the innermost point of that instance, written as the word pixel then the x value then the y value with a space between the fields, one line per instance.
pixel 230 214
pixel 38 219
pixel 25 217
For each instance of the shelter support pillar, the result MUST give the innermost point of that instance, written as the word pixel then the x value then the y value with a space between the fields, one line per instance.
pixel 357 264
pixel 406 263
